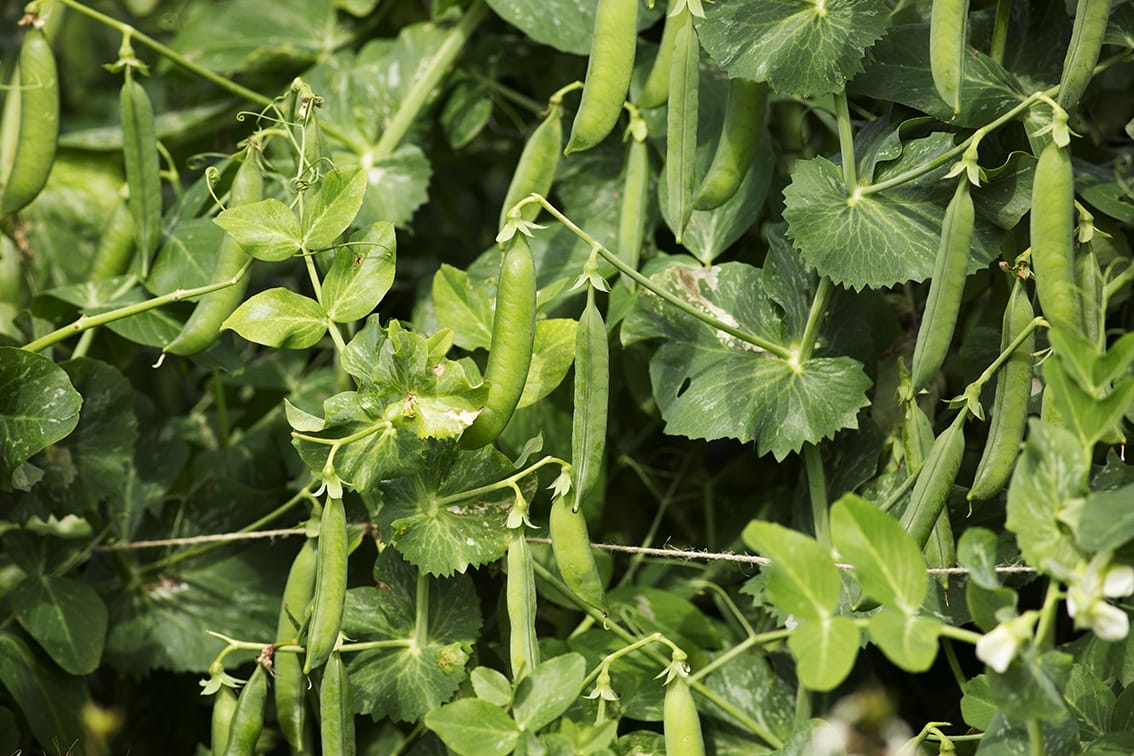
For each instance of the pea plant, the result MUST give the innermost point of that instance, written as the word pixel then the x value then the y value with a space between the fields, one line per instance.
pixel 352 402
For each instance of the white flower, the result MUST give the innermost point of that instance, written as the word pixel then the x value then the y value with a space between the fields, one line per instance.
pixel 998 647
pixel 1119 581
pixel 1089 588
pixel 1109 622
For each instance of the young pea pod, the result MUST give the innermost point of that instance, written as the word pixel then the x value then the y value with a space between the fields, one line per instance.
pixel 1086 42
pixel 635 199
pixel 291 685
pixel 202 328
pixel 592 387
pixel 572 547
pixel 946 288
pixel 948 32
pixel 33 107
pixel 538 162
pixel 330 586
pixel 1010 403
pixel 1052 235
pixel 523 644
pixel 224 709
pixel 681 125
pixel 115 246
pixel 681 723
pixel 513 334
pixel 656 89
pixel 248 719
pixel 934 481
pixel 743 126
pixel 336 709
pixel 608 73
pixel 143 172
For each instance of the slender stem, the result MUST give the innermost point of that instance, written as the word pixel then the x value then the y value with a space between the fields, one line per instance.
pixel 733 609
pixel 336 442
pixel 1000 29
pixel 509 482
pixel 815 318
pixel 846 141
pixel 84 344
pixel 898 493
pixel 954 663
pixel 973 390
pixel 369 645
pixel 525 102
pixel 1035 738
pixel 959 633
pixel 421 621
pixel 1045 631
pixel 222 413
pixel 817 491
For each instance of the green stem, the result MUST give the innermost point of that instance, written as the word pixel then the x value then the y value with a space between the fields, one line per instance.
pixel 1035 737
pixel 222 413
pixel 1000 29
pixel 954 663
pixel 1045 630
pixel 336 442
pixel 815 318
pixel 971 394
pixel 817 491
pixel 959 633
pixel 421 620
pixel 525 102
pixel 509 482
pixel 846 141
pixel 84 344
pixel 370 645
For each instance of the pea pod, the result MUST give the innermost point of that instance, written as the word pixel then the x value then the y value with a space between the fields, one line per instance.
pixel 248 719
pixel 1052 236
pixel 608 73
pixel 34 107
pixel 946 288
pixel 592 386
pixel 743 127
pixel 513 334
pixel 538 162
pixel 291 685
pixel 202 328
pixel 635 199
pixel 143 172
pixel 330 586
pixel 681 723
pixel 656 89
pixel 115 246
pixel 948 33
pixel 224 709
pixel 336 709
pixel 523 646
pixel 681 125
pixel 1082 54
pixel 1010 403
pixel 572 547
pixel 934 482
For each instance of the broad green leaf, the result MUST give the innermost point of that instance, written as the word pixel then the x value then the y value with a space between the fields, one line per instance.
pixel 824 651
pixel 267 230
pixel 587 738
pixel 800 47
pixel 471 727
pixel 888 564
pixel 654 609
pixel 709 384
pixel 396 186
pixel 38 406
pixel 908 641
pixel 977 707
pixel 749 683
pixel 552 354
pixel 50 700
pixel 1031 688
pixel 361 275
pixel 1089 415
pixel 492 686
pixel 802 579
pixel 332 207
pixel 279 318
pixel 467 111
pixel 566 25
pixel 985 603
pixel 976 551
pixel 67 618
pixel 548 691
pixel 1091 702
pixel 464 307
pixel 380 449
pixel 186 259
pixel 1107 520
pixel 404 682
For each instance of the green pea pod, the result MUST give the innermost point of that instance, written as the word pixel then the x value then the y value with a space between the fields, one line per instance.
pixel 1082 54
pixel 291 685
pixel 537 166
pixel 1010 404
pixel 946 288
pixel 202 329
pixel 224 709
pixel 115 246
pixel 513 334
pixel 1052 235
pixel 523 645
pixel 608 73
pixel 917 437
pixel 934 482
pixel 572 547
pixel 336 709
pixel 948 35
pixel 143 172
pixel 656 89
pixel 330 586
pixel 680 721
pixel 248 719
pixel 743 127
pixel 681 125
pixel 635 200
pixel 592 386
pixel 35 100
pixel 1091 285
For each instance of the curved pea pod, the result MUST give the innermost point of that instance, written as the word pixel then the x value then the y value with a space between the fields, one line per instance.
pixel 115 246
pixel 33 107
pixel 946 288
pixel 523 645
pixel 656 89
pixel 608 73
pixel 224 708
pixel 592 388
pixel 1083 52
pixel 143 172
pixel 248 718
pixel 635 203
pixel 291 685
pixel 1010 404
pixel 330 586
pixel 538 162
pixel 931 491
pixel 743 126
pixel 680 721
pixel 336 709
pixel 202 329
pixel 1052 236
pixel 510 353
pixel 681 126
pixel 572 547
pixel 948 33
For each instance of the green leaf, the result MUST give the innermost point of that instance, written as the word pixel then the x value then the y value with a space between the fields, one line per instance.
pixel 1090 415
pixel 887 562
pixel 1031 688
pixel 552 354
pixel 332 207
pixel 38 406
pixel 824 651
pixel 362 273
pixel 654 609
pixel 404 682
pixel 908 641
pixel 1008 736
pixel 267 230
pixel 566 25
pixel 463 307
pixel 492 686
pixel 186 259
pixel 1090 701
pixel 802 579
pixel 1107 520
pixel 976 551
pixel 749 683
pixel 50 700
pixel 546 693
pixel 977 707
pixel 984 604
pixel 396 186
pixel 279 318
pixel 799 47
pixel 66 617
pixel 471 727
pixel 467 111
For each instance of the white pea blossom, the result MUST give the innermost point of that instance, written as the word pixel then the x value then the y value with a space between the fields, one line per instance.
pixel 998 647
pixel 1088 590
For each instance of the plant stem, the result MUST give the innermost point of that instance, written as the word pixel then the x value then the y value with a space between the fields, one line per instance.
pixel 959 633
pixel 509 482
pixel 1035 737
pixel 1045 630
pixel 421 621
pixel 817 492
pixel 222 413
pixel 954 662
pixel 815 318
pixel 1000 29
pixel 846 141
